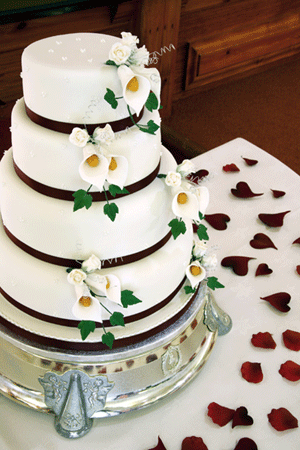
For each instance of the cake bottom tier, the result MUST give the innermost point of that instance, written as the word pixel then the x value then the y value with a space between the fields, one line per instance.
pixel 131 378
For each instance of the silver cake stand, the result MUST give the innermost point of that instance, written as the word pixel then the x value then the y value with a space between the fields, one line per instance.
pixel 78 387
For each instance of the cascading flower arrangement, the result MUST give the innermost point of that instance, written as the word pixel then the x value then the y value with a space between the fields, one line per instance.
pixel 99 168
pixel 90 287
pixel 140 85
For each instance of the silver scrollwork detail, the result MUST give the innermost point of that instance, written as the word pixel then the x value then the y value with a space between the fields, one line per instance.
pixel 74 397
pixel 214 317
pixel 171 360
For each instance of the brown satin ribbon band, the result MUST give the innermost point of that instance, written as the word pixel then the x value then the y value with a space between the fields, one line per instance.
pixel 105 264
pixel 74 323
pixel 91 346
pixel 66 127
pixel 61 194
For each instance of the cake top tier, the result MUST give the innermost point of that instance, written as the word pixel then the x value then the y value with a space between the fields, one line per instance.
pixel 66 77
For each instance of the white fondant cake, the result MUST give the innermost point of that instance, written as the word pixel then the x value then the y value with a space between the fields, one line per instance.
pixel 97 217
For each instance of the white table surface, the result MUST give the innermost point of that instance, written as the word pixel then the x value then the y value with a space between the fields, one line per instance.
pixel 185 413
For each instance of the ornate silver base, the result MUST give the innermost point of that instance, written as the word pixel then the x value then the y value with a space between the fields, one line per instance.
pixel 77 387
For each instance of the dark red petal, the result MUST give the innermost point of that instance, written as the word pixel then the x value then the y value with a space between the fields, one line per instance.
pixel 231 168
pixel 279 300
pixel 261 241
pixel 196 177
pixel 243 191
pixel 239 264
pixel 241 417
pixel 263 269
pixel 273 220
pixel 290 370
pixel 252 372
pixel 220 414
pixel 281 419
pixel 193 443
pixel 277 194
pixel 298 270
pixel 217 221
pixel 263 340
pixel 160 445
pixel 245 444
pixel 291 340
pixel 297 241
pixel 250 162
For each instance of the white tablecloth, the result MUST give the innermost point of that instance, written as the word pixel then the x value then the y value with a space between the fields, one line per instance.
pixel 185 413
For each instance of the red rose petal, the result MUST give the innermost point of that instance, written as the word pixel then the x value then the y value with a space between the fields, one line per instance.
pixel 241 417
pixel 279 301
pixel 298 270
pixel 277 194
pixel 263 269
pixel 297 241
pixel 198 176
pixel 160 445
pixel 243 191
pixel 239 264
pixel 291 340
pixel 263 340
pixel 220 414
pixel 252 372
pixel 250 162
pixel 246 444
pixel 217 221
pixel 193 443
pixel 273 220
pixel 261 241
pixel 281 419
pixel 231 168
pixel 290 370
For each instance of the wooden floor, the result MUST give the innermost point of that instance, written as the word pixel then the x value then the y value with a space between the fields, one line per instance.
pixel 263 109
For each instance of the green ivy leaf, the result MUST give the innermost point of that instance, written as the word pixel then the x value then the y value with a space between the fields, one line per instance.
pixel 109 62
pixel 86 327
pixel 116 319
pixel 161 175
pixel 152 102
pixel 111 98
pixel 150 128
pixel 114 190
pixel 177 227
pixel 189 290
pixel 201 216
pixel 82 199
pixel 111 210
pixel 202 233
pixel 127 298
pixel 213 283
pixel 108 339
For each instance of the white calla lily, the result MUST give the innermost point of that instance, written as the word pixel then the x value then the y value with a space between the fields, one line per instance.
pixel 117 170
pixel 152 75
pixel 106 285
pixel 113 289
pixel 86 307
pixel 195 273
pixel 136 88
pixel 202 194
pixel 94 167
pixel 185 204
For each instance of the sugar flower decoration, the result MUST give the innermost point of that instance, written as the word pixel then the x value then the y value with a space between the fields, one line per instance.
pixel 136 88
pixel 195 273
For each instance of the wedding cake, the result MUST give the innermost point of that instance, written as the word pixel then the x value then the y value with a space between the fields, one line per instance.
pixel 98 253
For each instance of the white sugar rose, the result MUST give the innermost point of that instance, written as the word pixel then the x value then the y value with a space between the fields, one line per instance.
pixel 140 57
pixel 119 53
pixel 173 179
pixel 199 249
pixel 129 39
pixel 91 264
pixel 186 167
pixel 104 135
pixel 76 277
pixel 79 137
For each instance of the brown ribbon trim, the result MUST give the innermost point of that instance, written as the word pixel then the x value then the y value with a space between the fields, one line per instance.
pixel 91 346
pixel 66 127
pixel 105 264
pixel 68 195
pixel 75 323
